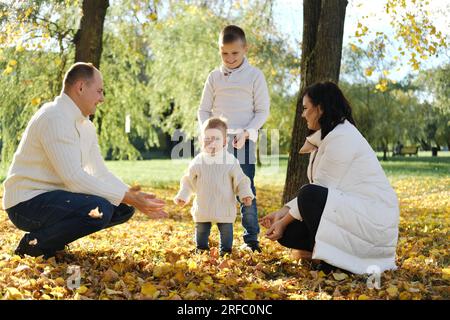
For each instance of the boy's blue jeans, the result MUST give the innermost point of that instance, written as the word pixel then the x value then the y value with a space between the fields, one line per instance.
pixel 58 217
pixel 203 229
pixel 247 159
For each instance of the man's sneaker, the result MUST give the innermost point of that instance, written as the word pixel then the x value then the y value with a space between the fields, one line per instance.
pixel 28 246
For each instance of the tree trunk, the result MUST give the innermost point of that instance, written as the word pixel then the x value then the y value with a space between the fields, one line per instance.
pixel 425 146
pixel 88 40
pixel 323 30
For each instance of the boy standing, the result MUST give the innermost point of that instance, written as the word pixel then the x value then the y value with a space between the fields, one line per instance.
pixel 238 92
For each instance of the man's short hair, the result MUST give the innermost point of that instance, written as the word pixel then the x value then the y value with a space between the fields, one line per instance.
pixel 216 123
pixel 79 70
pixel 232 33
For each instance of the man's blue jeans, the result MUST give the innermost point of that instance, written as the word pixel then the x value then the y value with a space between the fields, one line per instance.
pixel 247 159
pixel 203 229
pixel 57 218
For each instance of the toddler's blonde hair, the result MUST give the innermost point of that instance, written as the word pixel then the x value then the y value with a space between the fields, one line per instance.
pixel 216 123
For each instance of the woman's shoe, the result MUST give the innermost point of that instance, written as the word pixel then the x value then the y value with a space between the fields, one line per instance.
pixel 324 267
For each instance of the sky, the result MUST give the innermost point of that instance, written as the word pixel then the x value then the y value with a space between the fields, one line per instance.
pixel 288 16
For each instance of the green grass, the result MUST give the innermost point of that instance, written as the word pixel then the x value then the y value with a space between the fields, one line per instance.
pixel 156 173
pixel 164 172
pixel 160 173
pixel 422 166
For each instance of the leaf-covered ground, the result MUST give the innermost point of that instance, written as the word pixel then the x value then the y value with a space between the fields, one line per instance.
pixel 154 259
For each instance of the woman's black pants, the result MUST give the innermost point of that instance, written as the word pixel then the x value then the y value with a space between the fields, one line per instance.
pixel 301 234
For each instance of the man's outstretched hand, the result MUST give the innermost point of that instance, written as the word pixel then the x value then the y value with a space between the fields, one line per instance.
pixel 147 203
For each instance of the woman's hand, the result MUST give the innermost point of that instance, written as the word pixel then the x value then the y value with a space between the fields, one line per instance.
pixel 268 220
pixel 276 230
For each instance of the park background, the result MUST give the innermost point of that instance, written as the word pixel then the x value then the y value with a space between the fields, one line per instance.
pixel 393 65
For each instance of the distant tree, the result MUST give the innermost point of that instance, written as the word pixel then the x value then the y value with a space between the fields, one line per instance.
pixel 435 83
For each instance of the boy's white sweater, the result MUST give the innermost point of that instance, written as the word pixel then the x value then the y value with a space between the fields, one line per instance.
pixel 239 95
pixel 216 180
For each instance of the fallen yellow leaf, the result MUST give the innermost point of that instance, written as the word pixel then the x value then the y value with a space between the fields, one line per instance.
pixel 82 290
pixel 13 294
pixel 446 273
pixel 340 276
pixel 392 291
pixel 192 265
pixel 112 292
pixel 249 294
pixel 110 275
pixel 149 290
pixel 405 296
pixel 60 281
pixel 179 276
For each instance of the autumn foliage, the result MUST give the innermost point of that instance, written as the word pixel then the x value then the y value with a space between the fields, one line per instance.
pixel 154 259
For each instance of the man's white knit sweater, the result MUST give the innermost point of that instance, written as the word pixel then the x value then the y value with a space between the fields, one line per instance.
pixel 59 151
pixel 216 180
pixel 239 95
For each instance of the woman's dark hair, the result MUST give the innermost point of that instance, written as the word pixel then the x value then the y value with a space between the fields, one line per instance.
pixel 336 108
